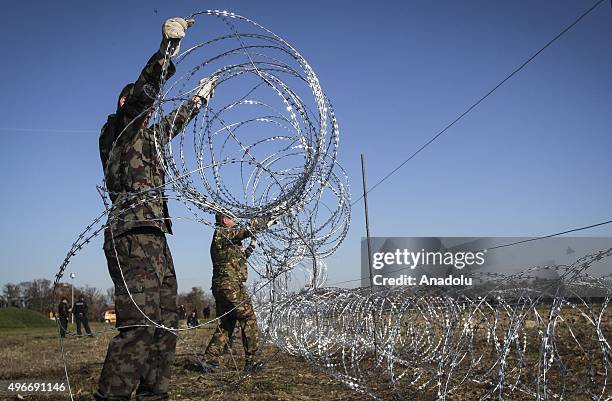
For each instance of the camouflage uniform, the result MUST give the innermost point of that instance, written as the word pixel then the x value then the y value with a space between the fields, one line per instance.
pixel 233 303
pixel 135 245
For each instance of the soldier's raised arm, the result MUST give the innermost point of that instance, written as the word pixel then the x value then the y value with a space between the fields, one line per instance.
pixel 177 120
pixel 236 235
pixel 159 68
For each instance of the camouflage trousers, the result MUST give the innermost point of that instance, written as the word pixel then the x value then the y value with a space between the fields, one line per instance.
pixel 233 304
pixel 140 358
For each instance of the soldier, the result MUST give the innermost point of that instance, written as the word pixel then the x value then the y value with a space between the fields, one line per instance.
pixel 233 303
pixel 62 313
pixel 80 314
pixel 139 260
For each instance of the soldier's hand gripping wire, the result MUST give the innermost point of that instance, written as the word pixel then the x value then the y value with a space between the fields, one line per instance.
pixel 173 30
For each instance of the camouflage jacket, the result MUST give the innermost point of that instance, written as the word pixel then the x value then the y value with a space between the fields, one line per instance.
pixel 229 257
pixel 133 173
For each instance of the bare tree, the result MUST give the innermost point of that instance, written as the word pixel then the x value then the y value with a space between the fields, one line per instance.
pixel 110 295
pixel 12 293
pixel 95 299
pixel 196 299
pixel 37 295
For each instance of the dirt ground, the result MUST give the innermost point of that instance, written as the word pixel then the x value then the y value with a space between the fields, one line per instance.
pixel 35 355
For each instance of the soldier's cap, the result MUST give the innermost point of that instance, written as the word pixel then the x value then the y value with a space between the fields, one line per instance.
pixel 219 217
pixel 126 92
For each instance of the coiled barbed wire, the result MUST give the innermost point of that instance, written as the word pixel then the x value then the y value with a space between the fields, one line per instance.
pixel 523 338
pixel 266 144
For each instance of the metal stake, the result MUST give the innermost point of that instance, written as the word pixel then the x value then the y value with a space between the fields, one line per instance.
pixel 367 222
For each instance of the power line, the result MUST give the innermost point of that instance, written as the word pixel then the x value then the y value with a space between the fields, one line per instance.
pixel 474 105
pixel 551 235
pixel 573 230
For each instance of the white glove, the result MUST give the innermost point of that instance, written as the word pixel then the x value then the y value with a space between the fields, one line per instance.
pixel 206 88
pixel 253 243
pixel 173 30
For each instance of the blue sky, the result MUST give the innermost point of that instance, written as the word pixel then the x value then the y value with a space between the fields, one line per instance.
pixel 533 159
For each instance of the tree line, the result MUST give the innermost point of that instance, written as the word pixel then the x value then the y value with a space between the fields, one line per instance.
pixel 38 295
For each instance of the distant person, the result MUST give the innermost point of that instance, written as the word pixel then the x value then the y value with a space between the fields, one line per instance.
pixel 62 313
pixel 192 320
pixel 181 312
pixel 80 315
pixel 206 312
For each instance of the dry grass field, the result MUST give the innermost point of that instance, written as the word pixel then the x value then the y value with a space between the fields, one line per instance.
pixel 34 354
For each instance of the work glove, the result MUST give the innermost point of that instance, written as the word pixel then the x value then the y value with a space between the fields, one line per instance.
pixel 206 88
pixel 173 30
